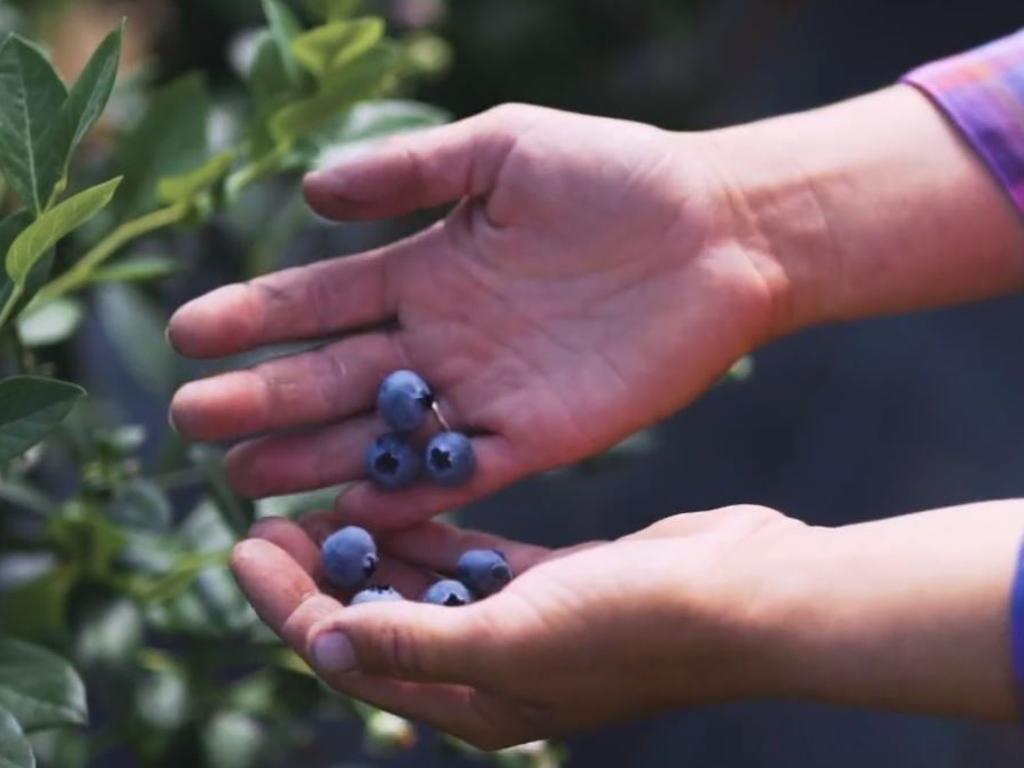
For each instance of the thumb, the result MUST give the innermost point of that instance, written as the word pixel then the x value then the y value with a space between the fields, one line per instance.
pixel 417 170
pixel 406 641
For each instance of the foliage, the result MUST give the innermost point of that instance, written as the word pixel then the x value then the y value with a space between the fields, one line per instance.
pixel 116 562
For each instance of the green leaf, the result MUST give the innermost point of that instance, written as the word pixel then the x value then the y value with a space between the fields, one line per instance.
pixel 363 78
pixel 10 228
pixel 39 688
pixel 31 95
pixel 284 27
pixel 83 107
pixel 18 492
pixel 334 10
pixel 107 628
pixel 136 269
pixel 270 88
pixel 367 121
pixel 136 331
pixel 170 139
pixel 54 225
pixel 332 46
pixel 162 699
pixel 15 750
pixel 37 609
pixel 140 503
pixel 236 513
pixel 50 323
pixel 31 406
pixel 187 186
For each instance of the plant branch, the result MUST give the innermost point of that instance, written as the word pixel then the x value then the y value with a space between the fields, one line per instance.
pixel 80 274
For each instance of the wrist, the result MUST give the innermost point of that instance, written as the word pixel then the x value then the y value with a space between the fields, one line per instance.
pixel 871 206
pixel 908 614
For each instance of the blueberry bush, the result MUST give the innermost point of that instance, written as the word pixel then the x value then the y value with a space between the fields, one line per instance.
pixel 122 634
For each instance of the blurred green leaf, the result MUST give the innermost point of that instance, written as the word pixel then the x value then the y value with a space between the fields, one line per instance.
pixel 185 187
pixel 15 750
pixel 107 629
pixel 136 269
pixel 86 540
pixel 136 331
pixel 363 78
pixel 284 27
pixel 53 226
pixel 296 504
pixel 37 610
pixel 170 139
pixel 333 10
pixel 82 108
pixel 51 322
pixel 10 228
pixel 237 513
pixel 329 48
pixel 365 122
pixel 39 688
pixel 31 94
pixel 234 740
pixel 268 79
pixel 19 493
pixel 140 503
pixel 162 699
pixel 30 407
pixel 61 748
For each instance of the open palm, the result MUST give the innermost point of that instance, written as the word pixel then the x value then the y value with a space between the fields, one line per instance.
pixel 585 285
pixel 582 636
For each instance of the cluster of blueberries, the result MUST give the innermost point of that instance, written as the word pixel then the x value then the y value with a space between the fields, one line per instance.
pixel 350 559
pixel 392 462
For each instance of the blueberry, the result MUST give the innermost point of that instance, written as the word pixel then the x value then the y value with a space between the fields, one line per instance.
pixel 448 592
pixel 391 462
pixel 404 400
pixel 377 593
pixel 450 459
pixel 349 558
pixel 485 571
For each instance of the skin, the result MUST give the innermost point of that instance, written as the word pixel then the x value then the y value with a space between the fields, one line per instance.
pixel 593 277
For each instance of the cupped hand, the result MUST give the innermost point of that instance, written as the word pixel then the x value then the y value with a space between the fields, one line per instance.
pixel 591 280
pixel 664 618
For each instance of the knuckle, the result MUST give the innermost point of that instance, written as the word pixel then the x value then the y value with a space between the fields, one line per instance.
pixel 399 653
pixel 752 513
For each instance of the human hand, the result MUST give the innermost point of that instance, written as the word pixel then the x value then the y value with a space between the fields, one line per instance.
pixel 671 616
pixel 592 280
pixel 907 614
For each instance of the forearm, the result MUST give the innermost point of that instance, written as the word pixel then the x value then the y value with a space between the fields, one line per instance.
pixel 910 614
pixel 872 206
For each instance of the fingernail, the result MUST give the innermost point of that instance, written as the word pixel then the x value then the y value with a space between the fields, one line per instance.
pixel 170 421
pixel 333 653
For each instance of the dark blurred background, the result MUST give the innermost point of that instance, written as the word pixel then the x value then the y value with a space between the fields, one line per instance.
pixel 836 425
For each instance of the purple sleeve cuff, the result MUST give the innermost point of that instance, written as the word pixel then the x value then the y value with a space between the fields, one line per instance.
pixel 1017 629
pixel 982 92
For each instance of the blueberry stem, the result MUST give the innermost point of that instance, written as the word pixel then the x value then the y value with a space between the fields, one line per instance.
pixel 440 416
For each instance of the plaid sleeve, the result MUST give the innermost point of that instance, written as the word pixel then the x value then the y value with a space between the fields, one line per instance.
pixel 982 92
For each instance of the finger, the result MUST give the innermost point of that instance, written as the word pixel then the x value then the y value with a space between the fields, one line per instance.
pixel 417 170
pixel 408 641
pixel 408 579
pixel 308 302
pixel 291 539
pixel 325 384
pixel 365 504
pixel 285 597
pixel 301 461
pixel 283 594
